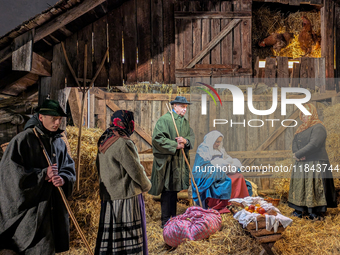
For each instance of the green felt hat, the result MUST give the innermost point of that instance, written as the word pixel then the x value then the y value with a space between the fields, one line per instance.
pixel 52 108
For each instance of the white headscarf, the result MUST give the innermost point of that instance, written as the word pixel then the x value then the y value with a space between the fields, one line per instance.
pixel 206 150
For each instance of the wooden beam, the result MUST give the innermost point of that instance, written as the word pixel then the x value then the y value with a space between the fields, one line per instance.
pixel 213 42
pixel 18 85
pixel 23 52
pixel 74 102
pixel 41 65
pixel 57 23
pixel 193 72
pixel 65 31
pixel 212 15
pixel 272 137
pixel 5 53
pixel 66 18
pixel 138 129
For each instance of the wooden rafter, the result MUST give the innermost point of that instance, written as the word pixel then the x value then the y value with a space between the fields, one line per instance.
pixel 57 23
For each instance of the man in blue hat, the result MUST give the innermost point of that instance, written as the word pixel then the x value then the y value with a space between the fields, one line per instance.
pixel 33 218
pixel 170 174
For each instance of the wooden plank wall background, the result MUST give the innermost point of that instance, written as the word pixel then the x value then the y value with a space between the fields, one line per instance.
pixel 140 36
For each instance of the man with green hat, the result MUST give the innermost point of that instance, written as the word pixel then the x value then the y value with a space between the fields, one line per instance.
pixel 33 218
pixel 170 174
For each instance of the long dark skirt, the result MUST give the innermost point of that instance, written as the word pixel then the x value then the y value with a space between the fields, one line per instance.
pixel 310 190
pixel 122 227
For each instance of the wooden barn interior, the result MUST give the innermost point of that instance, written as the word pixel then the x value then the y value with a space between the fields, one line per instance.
pixel 97 56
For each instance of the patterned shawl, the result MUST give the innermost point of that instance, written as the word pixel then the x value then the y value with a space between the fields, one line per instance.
pixel 121 125
pixel 312 119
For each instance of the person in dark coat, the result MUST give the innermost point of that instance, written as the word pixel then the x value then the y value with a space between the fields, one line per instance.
pixel 170 174
pixel 311 186
pixel 33 217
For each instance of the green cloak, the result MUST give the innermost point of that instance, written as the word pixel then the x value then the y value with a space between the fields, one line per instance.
pixel 169 170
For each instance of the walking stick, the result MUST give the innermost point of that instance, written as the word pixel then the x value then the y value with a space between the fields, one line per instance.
pixel 185 157
pixel 64 199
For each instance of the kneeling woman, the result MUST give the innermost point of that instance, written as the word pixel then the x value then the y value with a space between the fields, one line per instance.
pixel 214 183
pixel 122 226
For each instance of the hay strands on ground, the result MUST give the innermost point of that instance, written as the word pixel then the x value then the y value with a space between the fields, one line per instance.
pixel 185 158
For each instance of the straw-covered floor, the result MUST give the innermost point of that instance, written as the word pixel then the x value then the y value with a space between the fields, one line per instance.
pixel 303 237
pixel 266 21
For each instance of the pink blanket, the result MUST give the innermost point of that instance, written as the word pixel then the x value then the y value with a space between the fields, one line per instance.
pixel 195 224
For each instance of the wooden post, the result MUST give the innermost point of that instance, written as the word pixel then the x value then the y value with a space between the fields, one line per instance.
pixel 327 42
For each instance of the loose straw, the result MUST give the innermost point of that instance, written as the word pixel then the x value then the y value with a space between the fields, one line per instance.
pixel 185 157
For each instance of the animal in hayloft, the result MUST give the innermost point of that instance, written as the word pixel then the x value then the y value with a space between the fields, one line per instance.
pixel 277 40
pixel 308 39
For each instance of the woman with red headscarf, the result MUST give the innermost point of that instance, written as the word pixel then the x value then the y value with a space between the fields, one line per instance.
pixel 122 179
pixel 311 185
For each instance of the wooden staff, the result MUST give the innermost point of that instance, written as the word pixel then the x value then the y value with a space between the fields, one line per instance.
pixel 65 200
pixel 185 157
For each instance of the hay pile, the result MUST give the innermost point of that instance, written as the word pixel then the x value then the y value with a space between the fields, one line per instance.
pixel 85 203
pixel 265 22
pixel 303 236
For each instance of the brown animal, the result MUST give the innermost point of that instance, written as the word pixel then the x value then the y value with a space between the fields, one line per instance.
pixel 277 40
pixel 308 40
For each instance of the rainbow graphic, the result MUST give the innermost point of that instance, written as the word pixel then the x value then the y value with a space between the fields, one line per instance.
pixel 208 92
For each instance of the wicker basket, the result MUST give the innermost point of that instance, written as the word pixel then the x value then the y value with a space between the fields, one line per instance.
pixel 4 146
pixel 275 201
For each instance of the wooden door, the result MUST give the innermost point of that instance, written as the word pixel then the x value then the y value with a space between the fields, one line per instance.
pixel 213 42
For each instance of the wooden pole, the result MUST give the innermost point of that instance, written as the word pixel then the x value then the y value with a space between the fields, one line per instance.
pixel 84 89
pixel 185 157
pixel 68 208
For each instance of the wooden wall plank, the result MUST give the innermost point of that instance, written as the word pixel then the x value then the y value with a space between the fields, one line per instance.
pixel 84 37
pixel 169 41
pixel 237 43
pixel 227 42
pixel 115 43
pixel 23 51
pixel 295 76
pixel 270 72
pixel 206 37
pixel 246 32
pixel 337 44
pixel 188 42
pixel 130 41
pixel 311 73
pixel 157 40
pixel 327 42
pixel 304 62
pixel 320 73
pixel 74 102
pixel 282 72
pixel 216 51
pixel 144 72
pixel 59 68
pixel 100 47
pixel 71 47
pixel 196 37
pixel 179 39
